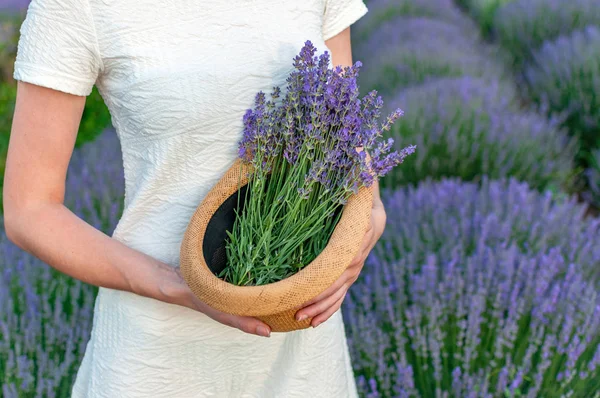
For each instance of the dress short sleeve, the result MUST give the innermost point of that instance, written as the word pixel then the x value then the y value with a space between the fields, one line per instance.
pixel 58 47
pixel 339 14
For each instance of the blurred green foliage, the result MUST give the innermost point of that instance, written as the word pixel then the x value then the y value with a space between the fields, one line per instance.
pixel 592 174
pixel 483 12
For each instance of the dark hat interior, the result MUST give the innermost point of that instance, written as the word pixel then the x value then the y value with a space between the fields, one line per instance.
pixel 215 236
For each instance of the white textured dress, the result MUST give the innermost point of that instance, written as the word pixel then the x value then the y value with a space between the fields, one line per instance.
pixel 177 76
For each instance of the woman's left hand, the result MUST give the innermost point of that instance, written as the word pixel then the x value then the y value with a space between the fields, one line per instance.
pixel 327 303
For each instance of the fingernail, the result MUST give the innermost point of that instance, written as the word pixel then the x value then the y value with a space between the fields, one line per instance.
pixel 301 317
pixel 263 331
pixel 316 324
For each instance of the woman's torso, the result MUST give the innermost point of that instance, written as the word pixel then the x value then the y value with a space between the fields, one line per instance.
pixel 177 78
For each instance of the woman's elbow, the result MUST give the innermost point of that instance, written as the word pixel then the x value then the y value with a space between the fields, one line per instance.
pixel 13 220
pixel 17 216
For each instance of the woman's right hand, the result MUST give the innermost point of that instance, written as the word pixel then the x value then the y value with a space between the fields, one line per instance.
pixel 175 290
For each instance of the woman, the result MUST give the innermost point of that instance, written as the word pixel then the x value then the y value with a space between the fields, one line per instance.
pixel 177 77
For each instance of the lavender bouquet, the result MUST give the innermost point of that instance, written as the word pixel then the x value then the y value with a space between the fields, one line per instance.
pixel 308 150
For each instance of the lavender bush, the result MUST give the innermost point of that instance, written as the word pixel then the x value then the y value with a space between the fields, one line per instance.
pixel 305 166
pixel 436 216
pixel 409 51
pixel 400 30
pixel 470 127
pixel 592 174
pixel 565 75
pixel 381 11
pixel 45 316
pixel 475 291
pixel 523 25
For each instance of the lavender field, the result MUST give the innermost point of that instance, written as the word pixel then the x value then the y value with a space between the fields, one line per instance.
pixel 486 282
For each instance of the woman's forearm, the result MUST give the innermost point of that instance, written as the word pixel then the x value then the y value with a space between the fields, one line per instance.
pixel 61 239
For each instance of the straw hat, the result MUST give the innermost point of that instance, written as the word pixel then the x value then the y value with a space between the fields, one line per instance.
pixel 274 303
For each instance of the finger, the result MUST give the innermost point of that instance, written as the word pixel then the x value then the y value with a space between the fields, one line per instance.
pixel 319 319
pixel 365 247
pixel 365 244
pixel 245 324
pixel 322 305
pixel 337 285
pixel 251 325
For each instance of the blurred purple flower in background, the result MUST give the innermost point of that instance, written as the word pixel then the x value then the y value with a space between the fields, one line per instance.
pixel 478 292
pixel 381 11
pixel 408 51
pixel 469 127
pixel 521 26
pixel 565 75
pixel 13 5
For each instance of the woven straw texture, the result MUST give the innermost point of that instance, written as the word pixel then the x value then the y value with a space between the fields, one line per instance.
pixel 274 303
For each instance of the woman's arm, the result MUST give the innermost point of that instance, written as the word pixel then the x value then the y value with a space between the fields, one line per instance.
pixel 340 48
pixel 42 138
pixel 43 134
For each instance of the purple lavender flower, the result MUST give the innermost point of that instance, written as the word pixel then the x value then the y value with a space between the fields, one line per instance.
pixel 478 290
pixel 321 107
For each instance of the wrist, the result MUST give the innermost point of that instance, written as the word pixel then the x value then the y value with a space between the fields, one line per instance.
pixel 171 287
pixel 162 282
